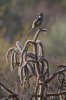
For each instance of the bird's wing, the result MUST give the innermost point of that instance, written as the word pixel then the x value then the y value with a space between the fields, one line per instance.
pixel 37 22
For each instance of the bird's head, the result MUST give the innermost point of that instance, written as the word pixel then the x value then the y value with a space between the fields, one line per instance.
pixel 41 14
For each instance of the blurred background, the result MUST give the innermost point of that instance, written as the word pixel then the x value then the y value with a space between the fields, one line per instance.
pixel 16 17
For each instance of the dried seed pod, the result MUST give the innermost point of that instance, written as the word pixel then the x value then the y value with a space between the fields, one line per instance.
pixel 9 52
pixel 19 45
pixel 12 61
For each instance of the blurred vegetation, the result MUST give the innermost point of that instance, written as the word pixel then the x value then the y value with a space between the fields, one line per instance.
pixel 16 17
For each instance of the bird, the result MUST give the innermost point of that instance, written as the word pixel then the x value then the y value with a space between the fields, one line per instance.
pixel 36 23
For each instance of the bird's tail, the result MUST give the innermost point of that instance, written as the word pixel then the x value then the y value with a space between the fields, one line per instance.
pixel 28 34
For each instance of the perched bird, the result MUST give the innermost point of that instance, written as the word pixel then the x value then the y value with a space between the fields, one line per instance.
pixel 36 23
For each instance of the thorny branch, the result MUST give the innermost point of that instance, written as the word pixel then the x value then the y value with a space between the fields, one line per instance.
pixel 12 94
pixel 34 62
